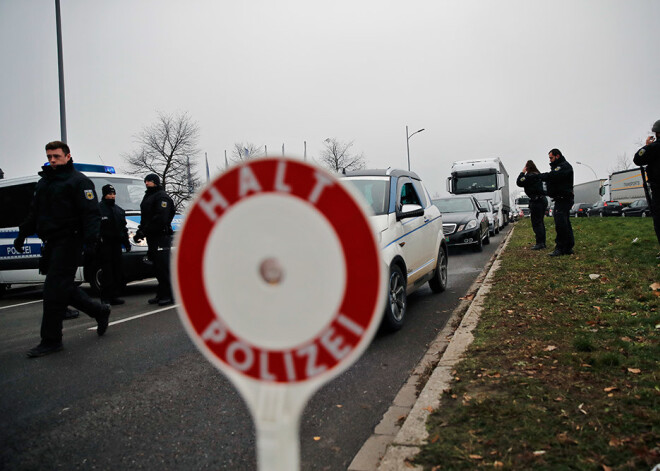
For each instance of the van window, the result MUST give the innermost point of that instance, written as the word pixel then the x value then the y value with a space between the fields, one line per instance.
pixel 15 203
pixel 129 190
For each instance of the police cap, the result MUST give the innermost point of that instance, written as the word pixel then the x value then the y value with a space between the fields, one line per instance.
pixel 107 189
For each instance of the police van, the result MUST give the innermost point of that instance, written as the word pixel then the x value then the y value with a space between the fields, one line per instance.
pixel 23 268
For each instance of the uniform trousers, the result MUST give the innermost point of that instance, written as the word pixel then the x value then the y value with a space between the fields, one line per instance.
pixel 537 215
pixel 159 254
pixel 112 275
pixel 655 208
pixel 60 262
pixel 565 240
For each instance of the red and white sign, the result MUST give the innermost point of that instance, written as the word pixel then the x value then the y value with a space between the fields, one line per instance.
pixel 278 273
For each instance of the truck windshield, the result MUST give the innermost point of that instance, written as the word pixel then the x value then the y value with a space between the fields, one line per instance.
pixel 129 190
pixel 476 183
pixel 522 201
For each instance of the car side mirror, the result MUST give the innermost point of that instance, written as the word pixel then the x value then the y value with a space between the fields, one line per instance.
pixel 409 211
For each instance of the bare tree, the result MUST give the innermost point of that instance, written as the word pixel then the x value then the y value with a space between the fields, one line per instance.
pixel 168 148
pixel 245 151
pixel 622 163
pixel 337 156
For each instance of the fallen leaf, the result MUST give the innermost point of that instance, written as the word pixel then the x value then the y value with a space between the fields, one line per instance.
pixel 498 464
pixel 581 409
pixel 626 339
pixel 615 442
pixel 594 276
pixel 429 408
pixel 634 371
pixel 610 389
pixel 339 405
pixel 549 348
pixel 539 452
pixel 655 286
pixel 635 240
pixel 597 308
pixel 316 439
pixel 606 468
pixel 476 457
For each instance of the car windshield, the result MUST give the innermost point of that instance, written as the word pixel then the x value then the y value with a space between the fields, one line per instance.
pixel 375 190
pixel 129 190
pixel 454 205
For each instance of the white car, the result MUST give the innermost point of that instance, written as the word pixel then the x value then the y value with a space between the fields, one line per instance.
pixel 493 221
pixel 410 233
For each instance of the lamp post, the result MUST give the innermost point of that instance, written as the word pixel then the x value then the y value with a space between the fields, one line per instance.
pixel 580 163
pixel 408 145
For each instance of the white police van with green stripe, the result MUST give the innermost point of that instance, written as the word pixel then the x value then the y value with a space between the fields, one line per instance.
pixel 22 268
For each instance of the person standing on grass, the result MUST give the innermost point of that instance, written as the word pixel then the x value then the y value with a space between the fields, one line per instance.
pixel 538 203
pixel 559 181
pixel 649 155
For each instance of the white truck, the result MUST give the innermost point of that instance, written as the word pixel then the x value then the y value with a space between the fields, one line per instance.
pixel 588 192
pixel 486 179
pixel 626 186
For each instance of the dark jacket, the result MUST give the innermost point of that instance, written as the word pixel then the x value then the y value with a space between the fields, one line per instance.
pixel 533 186
pixel 559 180
pixel 650 156
pixel 113 223
pixel 64 206
pixel 157 212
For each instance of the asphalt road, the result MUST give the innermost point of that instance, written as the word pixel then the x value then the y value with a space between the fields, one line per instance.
pixel 143 397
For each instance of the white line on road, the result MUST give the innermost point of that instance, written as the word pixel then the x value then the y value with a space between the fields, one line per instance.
pixel 21 304
pixel 138 316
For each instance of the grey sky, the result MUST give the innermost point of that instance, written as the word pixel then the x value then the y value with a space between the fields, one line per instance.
pixel 484 78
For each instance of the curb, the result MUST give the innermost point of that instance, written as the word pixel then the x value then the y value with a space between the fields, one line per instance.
pixel 393 445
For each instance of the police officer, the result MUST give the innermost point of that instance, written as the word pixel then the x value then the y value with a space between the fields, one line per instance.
pixel 649 155
pixel 113 235
pixel 537 201
pixel 65 215
pixel 559 181
pixel 157 210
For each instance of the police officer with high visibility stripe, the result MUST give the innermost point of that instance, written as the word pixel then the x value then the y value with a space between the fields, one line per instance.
pixel 114 234
pixel 649 155
pixel 65 215
pixel 157 210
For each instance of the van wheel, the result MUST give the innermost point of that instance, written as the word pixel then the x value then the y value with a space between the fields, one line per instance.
pixel 4 287
pixel 397 302
pixel 439 281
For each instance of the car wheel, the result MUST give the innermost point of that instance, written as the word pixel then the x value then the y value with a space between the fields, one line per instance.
pixel 487 238
pixel 439 281
pixel 92 275
pixel 3 289
pixel 479 245
pixel 397 302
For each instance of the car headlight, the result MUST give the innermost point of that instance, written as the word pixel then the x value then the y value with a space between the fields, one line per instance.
pixel 142 243
pixel 471 225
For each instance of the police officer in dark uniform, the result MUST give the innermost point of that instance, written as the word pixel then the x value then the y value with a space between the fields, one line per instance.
pixel 649 155
pixel 65 215
pixel 559 182
pixel 157 210
pixel 113 235
pixel 537 201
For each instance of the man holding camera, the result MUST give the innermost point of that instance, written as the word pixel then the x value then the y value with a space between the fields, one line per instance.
pixel 649 155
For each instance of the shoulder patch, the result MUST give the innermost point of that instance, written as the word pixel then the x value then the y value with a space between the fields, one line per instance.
pixel 163 204
pixel 556 168
pixel 89 194
pixel 641 152
pixel 522 179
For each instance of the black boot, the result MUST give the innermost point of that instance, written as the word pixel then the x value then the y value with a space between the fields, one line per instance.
pixel 102 319
pixel 44 349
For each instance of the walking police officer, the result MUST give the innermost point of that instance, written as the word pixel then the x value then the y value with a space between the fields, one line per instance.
pixel 649 155
pixel 537 201
pixel 157 210
pixel 113 235
pixel 559 182
pixel 65 215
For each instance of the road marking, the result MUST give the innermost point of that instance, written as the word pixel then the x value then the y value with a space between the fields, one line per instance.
pixel 138 316
pixel 21 304
pixel 141 281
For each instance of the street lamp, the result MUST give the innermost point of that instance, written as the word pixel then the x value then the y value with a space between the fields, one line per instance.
pixel 408 145
pixel 580 163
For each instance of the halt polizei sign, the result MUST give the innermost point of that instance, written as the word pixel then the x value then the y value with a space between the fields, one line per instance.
pixel 281 287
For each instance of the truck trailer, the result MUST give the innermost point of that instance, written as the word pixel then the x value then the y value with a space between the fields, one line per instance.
pixel 588 192
pixel 626 186
pixel 486 179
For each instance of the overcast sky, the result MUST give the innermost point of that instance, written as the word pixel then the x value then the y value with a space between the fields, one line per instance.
pixel 511 79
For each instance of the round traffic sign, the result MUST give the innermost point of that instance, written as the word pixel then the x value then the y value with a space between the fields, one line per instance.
pixel 278 273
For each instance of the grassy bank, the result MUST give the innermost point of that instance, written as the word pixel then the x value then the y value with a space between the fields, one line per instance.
pixel 563 372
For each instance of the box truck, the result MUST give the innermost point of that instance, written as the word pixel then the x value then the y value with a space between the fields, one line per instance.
pixel 626 186
pixel 486 179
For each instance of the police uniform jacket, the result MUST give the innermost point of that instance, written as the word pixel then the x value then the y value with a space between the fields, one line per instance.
pixel 559 180
pixel 533 186
pixel 64 206
pixel 113 223
pixel 157 212
pixel 650 156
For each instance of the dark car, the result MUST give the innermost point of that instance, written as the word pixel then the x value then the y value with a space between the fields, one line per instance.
pixel 579 210
pixel 638 208
pixel 605 209
pixel 464 221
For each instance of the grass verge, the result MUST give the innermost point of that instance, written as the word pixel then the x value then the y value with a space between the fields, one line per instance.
pixel 563 370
